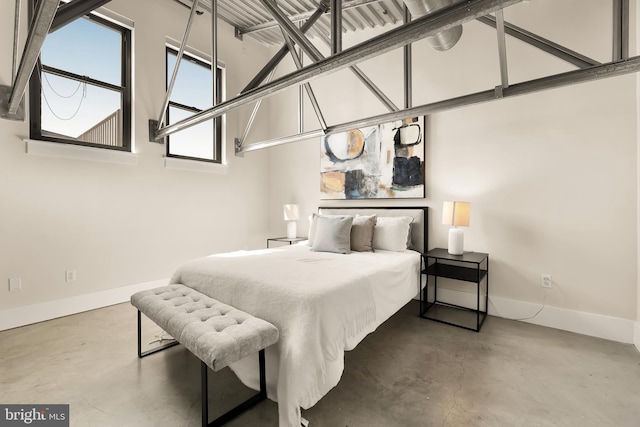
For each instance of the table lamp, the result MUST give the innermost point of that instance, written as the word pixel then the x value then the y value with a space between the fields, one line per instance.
pixel 291 215
pixel 456 214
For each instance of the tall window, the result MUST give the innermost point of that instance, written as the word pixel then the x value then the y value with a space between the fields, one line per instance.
pixel 191 94
pixel 81 89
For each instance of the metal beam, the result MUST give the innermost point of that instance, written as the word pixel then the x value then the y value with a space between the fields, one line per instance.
pixel 279 56
pixel 366 81
pixel 548 46
pixel 256 107
pixel 620 29
pixel 502 49
pixel 373 88
pixel 418 29
pixel 279 141
pixel 407 65
pixel 315 55
pixel 38 29
pixel 176 67
pixel 73 10
pixel 16 41
pixel 612 69
pixel 597 72
pixel 298 53
pixel 336 26
pixel 292 31
pixel 214 75
pixel 312 97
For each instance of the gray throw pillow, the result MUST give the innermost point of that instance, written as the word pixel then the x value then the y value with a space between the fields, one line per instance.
pixel 362 233
pixel 333 234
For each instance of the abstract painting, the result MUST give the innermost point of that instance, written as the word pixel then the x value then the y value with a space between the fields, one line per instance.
pixel 384 161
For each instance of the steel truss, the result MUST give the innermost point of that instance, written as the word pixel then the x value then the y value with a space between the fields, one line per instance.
pixel 404 35
pixel 418 29
pixel 48 16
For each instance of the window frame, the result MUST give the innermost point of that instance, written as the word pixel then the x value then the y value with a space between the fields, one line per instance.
pixel 218 153
pixel 126 78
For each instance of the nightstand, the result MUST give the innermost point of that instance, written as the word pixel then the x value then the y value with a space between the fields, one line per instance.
pixel 288 240
pixel 470 267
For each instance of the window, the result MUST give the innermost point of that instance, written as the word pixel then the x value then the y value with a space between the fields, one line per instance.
pixel 191 94
pixel 80 92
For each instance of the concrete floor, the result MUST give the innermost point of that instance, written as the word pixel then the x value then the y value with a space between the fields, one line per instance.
pixel 410 372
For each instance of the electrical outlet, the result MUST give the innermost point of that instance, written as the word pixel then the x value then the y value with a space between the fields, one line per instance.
pixel 546 280
pixel 69 275
pixel 15 284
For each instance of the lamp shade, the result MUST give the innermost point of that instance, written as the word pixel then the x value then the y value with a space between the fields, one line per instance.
pixel 456 213
pixel 291 213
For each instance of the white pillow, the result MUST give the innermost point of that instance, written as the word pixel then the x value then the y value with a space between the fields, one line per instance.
pixel 391 233
pixel 333 234
pixel 312 228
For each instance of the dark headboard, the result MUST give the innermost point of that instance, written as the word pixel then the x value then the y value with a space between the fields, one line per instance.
pixel 419 227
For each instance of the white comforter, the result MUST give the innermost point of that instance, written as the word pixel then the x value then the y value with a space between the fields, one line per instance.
pixel 322 304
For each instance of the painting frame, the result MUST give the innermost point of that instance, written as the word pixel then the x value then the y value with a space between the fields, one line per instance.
pixel 383 161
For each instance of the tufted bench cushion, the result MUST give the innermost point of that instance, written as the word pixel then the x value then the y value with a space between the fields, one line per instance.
pixel 216 333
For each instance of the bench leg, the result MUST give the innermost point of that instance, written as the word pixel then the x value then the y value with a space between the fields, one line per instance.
pixel 222 419
pixel 204 383
pixel 153 350
pixel 263 375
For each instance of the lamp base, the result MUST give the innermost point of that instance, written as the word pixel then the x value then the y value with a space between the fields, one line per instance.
pixel 291 230
pixel 456 241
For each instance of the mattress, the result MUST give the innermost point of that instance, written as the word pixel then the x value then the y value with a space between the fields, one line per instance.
pixel 322 303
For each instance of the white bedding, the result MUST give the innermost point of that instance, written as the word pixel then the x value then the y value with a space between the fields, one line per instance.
pixel 322 303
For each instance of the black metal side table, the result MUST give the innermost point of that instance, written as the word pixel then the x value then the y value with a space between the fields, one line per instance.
pixel 288 240
pixel 468 267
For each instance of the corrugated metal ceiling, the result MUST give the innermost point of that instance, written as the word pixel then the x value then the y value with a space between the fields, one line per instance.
pixel 251 19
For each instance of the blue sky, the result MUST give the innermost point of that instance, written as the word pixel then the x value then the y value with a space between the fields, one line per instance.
pixel 192 88
pixel 193 84
pixel 88 48
pixel 85 48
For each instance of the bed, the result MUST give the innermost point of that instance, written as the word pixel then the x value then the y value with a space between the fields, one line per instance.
pixel 323 303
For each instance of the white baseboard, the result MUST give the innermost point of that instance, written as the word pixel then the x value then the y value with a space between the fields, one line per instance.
pixel 596 325
pixel 26 315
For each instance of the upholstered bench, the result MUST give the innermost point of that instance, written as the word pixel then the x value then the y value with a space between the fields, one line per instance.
pixel 215 333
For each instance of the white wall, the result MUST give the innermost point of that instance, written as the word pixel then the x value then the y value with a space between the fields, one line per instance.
pixel 552 176
pixel 120 225
pixel 637 325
